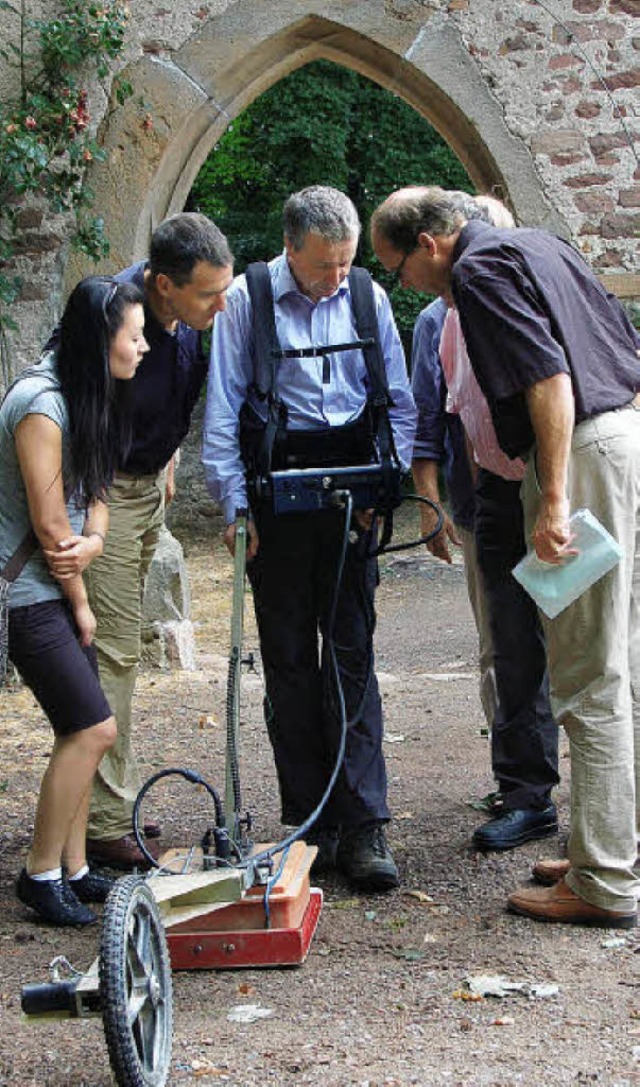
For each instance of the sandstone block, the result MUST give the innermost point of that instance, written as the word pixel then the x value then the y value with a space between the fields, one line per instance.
pixel 559 141
pixel 587 110
pixel 620 226
pixel 594 202
pixel 586 180
pixel 630 198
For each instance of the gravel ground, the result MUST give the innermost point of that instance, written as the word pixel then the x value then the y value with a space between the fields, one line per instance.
pixel 383 998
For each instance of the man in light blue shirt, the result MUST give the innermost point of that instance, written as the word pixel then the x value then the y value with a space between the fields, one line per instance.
pixel 293 560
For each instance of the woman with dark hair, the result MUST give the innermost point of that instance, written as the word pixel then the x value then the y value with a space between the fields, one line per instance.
pixel 62 431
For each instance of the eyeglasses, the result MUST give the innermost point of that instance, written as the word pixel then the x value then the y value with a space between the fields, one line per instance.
pixel 397 272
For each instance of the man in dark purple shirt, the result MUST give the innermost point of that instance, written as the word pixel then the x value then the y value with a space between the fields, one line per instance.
pixel 184 283
pixel 557 361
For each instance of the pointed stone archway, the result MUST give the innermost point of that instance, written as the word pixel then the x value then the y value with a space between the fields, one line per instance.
pixel 241 52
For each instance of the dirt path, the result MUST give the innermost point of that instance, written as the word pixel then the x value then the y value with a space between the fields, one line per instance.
pixel 382 998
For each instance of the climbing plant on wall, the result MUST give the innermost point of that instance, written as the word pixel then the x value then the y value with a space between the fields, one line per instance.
pixel 45 131
pixel 323 124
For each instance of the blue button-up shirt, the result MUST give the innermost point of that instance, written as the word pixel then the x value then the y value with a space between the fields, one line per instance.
pixel 314 397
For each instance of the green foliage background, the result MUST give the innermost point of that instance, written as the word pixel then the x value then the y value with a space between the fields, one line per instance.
pixel 327 125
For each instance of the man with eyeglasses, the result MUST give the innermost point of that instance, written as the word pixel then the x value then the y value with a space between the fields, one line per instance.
pixel 524 735
pixel 556 358
pixel 184 283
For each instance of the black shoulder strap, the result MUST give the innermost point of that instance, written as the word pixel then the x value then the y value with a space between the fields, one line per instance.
pixel 264 327
pixel 267 354
pixel 364 310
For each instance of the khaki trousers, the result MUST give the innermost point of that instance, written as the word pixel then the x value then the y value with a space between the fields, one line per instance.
pixel 594 665
pixel 115 584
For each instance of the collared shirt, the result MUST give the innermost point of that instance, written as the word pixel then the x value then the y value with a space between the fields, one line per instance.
pixel 164 390
pixel 531 308
pixel 464 398
pixel 315 396
pixel 439 435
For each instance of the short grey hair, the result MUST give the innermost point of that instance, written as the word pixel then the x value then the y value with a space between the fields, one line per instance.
pixel 421 209
pixel 319 209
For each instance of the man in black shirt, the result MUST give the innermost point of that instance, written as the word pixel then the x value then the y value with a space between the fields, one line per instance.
pixel 557 360
pixel 184 282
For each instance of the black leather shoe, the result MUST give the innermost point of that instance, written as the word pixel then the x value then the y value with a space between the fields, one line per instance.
pixel 93 887
pixel 53 900
pixel 326 839
pixel 365 859
pixel 517 827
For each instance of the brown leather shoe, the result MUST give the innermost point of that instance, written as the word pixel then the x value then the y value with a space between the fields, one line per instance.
pixel 152 829
pixel 560 904
pixel 121 853
pixel 550 871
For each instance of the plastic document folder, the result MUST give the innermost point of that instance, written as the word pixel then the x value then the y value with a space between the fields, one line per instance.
pixel 555 587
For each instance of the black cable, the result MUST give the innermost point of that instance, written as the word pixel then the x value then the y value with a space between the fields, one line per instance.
pixel 368 611
pixel 300 831
pixel 194 779
pixel 191 776
pixel 423 539
pixel 346 500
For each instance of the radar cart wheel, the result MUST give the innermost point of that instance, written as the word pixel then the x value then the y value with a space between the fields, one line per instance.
pixel 135 986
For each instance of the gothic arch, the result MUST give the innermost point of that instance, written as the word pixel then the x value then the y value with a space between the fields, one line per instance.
pixel 238 54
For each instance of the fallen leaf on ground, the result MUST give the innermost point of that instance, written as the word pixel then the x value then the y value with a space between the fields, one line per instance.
pixel 205 720
pixel 420 896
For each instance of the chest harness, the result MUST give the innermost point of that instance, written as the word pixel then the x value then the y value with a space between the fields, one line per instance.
pixel 303 469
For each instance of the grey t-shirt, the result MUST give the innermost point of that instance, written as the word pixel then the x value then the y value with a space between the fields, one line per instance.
pixel 34 394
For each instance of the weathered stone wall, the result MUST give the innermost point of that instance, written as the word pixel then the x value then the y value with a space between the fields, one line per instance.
pixel 543 109
pixel 569 88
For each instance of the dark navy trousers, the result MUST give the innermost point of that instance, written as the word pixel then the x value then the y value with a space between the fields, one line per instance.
pixel 524 736
pixel 293 578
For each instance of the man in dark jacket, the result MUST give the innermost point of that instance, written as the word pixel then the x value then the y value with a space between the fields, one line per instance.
pixel 184 282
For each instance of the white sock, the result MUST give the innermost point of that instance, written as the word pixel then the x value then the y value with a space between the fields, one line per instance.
pixel 45 877
pixel 84 871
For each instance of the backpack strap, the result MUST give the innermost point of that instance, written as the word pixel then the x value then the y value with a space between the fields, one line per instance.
pixel 267 356
pixel 267 344
pixel 23 552
pixel 366 318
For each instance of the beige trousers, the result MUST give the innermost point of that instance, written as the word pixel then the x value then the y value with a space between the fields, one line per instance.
pixel 115 584
pixel 594 666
